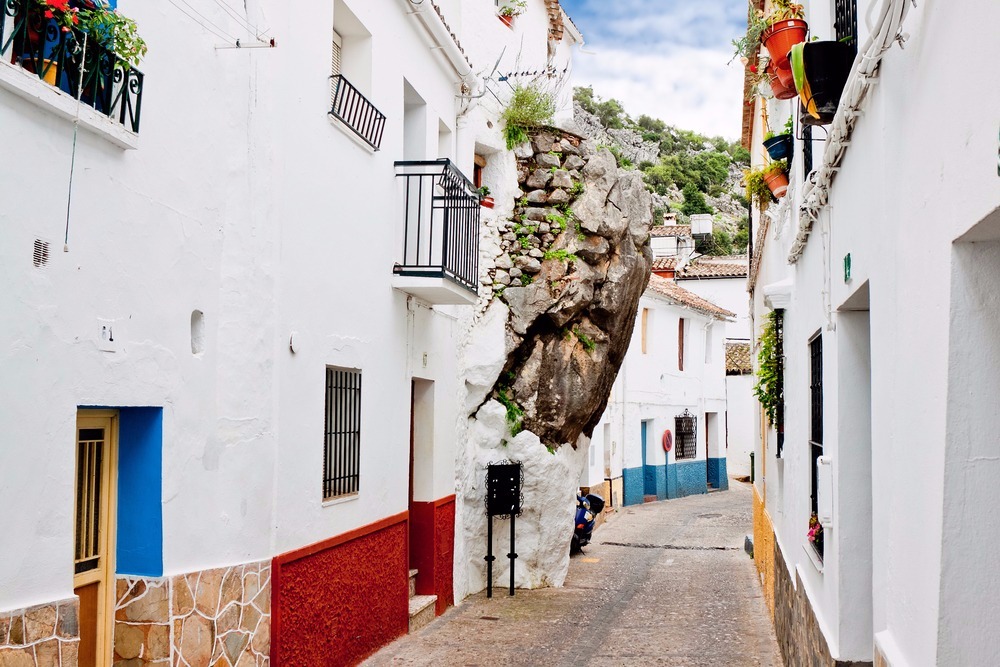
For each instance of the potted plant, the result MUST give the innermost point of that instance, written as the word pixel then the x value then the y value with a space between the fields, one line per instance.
pixel 484 197
pixel 781 90
pixel 104 25
pixel 786 27
pixel 776 177
pixel 756 189
pixel 820 70
pixel 780 145
pixel 511 9
pixel 815 534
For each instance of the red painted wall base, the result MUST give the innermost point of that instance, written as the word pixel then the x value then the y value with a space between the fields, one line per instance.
pixel 432 549
pixel 339 601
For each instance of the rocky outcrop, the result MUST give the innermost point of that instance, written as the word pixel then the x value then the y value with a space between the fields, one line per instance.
pixel 570 267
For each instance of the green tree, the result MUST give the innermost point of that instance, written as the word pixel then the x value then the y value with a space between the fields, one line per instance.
pixel 694 201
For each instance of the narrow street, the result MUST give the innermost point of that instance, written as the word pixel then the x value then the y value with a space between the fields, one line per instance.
pixel 664 583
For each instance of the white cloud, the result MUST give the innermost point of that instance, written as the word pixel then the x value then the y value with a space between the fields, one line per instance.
pixel 689 87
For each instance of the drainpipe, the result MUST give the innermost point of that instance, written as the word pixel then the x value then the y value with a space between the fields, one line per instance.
pixel 427 12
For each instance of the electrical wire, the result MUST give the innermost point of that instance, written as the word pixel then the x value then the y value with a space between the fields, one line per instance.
pixel 207 25
pixel 76 130
pixel 245 23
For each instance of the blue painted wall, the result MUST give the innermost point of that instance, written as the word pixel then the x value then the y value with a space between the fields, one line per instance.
pixel 717 475
pixel 140 482
pixel 633 485
pixel 691 478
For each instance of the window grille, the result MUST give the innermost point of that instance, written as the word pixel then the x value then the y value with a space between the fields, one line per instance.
pixel 686 435
pixel 816 414
pixel 342 433
pixel 89 468
pixel 807 151
pixel 845 21
pixel 779 331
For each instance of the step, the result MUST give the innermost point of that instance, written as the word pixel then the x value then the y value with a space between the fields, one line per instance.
pixel 421 611
pixel 413 582
pixel 650 498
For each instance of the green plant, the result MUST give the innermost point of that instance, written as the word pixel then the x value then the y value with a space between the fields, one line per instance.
pixel 515 413
pixel 523 202
pixel 561 255
pixel 556 219
pixel 526 280
pixel 757 190
pixel 694 201
pixel 483 191
pixel 525 243
pixel 769 389
pixel 757 22
pixel 513 7
pixel 585 340
pixel 787 128
pixel 776 165
pixel 577 189
pixel 115 31
pixel 529 107
pixel 579 231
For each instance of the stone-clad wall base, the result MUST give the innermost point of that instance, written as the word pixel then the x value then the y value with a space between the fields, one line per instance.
pixel 799 635
pixel 219 617
pixel 763 549
pixel 46 635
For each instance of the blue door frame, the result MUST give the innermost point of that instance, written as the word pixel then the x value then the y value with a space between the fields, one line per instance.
pixel 648 471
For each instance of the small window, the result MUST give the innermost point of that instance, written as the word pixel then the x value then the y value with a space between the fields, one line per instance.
pixel 645 325
pixel 816 423
pixel 680 344
pixel 686 435
pixel 342 433
pixel 708 343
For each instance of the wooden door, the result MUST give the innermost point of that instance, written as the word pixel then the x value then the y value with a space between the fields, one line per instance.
pixel 94 538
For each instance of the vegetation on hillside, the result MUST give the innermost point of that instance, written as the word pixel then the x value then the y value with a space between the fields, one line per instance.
pixel 689 168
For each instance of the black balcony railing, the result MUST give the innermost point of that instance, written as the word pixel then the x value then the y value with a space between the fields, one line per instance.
pixel 441 223
pixel 39 46
pixel 355 111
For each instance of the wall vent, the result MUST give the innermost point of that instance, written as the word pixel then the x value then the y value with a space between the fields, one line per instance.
pixel 40 255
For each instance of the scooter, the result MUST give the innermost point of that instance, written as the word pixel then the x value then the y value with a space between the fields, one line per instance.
pixel 587 509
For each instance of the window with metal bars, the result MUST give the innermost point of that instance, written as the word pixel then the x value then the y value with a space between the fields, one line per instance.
pixel 89 494
pixel 845 21
pixel 342 433
pixel 807 151
pixel 779 335
pixel 686 435
pixel 816 411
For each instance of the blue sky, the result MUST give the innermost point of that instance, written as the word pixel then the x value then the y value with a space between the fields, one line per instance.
pixel 664 58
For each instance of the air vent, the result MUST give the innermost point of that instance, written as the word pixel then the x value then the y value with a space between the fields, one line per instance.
pixel 40 256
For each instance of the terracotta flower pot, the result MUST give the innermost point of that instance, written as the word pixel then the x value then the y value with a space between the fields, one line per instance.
pixel 781 89
pixel 782 36
pixel 486 202
pixel 777 182
pixel 507 20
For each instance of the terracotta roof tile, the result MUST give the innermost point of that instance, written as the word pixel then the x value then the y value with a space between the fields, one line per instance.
pixel 670 230
pixel 738 358
pixel 677 294
pixel 664 263
pixel 700 269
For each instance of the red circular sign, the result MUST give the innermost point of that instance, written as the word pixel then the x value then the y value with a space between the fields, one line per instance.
pixel 668 440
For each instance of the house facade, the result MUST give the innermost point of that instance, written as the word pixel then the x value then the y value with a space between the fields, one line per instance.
pixel 663 432
pixel 237 279
pixel 873 484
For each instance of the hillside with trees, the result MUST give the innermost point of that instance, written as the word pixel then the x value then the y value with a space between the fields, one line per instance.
pixel 687 173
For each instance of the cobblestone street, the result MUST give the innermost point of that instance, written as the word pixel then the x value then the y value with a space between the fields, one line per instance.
pixel 664 583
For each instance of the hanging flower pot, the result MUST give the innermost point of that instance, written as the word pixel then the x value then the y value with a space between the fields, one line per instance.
pixel 821 70
pixel 781 90
pixel 486 202
pixel 777 181
pixel 508 19
pixel 781 36
pixel 780 147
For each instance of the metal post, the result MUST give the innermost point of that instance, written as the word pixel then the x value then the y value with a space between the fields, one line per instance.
pixel 751 468
pixel 513 554
pixel 489 557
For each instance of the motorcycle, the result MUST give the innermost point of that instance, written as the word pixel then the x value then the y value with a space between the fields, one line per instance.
pixel 587 509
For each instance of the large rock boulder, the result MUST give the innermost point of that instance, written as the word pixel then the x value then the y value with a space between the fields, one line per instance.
pixel 565 324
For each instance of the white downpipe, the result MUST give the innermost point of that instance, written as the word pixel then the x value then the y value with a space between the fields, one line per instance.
pixel 427 12
pixel 816 192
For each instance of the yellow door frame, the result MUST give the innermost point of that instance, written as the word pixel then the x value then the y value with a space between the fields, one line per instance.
pixel 105 572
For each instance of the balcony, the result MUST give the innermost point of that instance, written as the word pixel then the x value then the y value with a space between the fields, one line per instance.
pixel 354 110
pixel 58 57
pixel 440 261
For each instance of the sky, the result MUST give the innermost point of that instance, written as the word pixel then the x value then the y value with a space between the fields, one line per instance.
pixel 664 58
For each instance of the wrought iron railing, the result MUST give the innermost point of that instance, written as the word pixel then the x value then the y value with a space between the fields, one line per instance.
pixel 441 223
pixel 38 45
pixel 355 111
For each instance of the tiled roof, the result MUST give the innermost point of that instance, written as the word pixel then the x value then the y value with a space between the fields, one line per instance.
pixel 682 297
pixel 670 230
pixel 738 358
pixel 699 269
pixel 664 263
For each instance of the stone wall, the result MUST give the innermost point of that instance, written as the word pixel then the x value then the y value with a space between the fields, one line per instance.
pixel 44 635
pixel 799 636
pixel 763 549
pixel 220 617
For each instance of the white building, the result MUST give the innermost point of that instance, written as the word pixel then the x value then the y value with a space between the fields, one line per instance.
pixel 672 380
pixel 213 396
pixel 883 262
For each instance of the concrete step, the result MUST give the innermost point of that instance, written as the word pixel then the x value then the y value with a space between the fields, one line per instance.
pixel 421 611
pixel 413 582
pixel 650 499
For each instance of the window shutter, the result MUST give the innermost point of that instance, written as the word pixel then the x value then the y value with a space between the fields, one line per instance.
pixel 338 45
